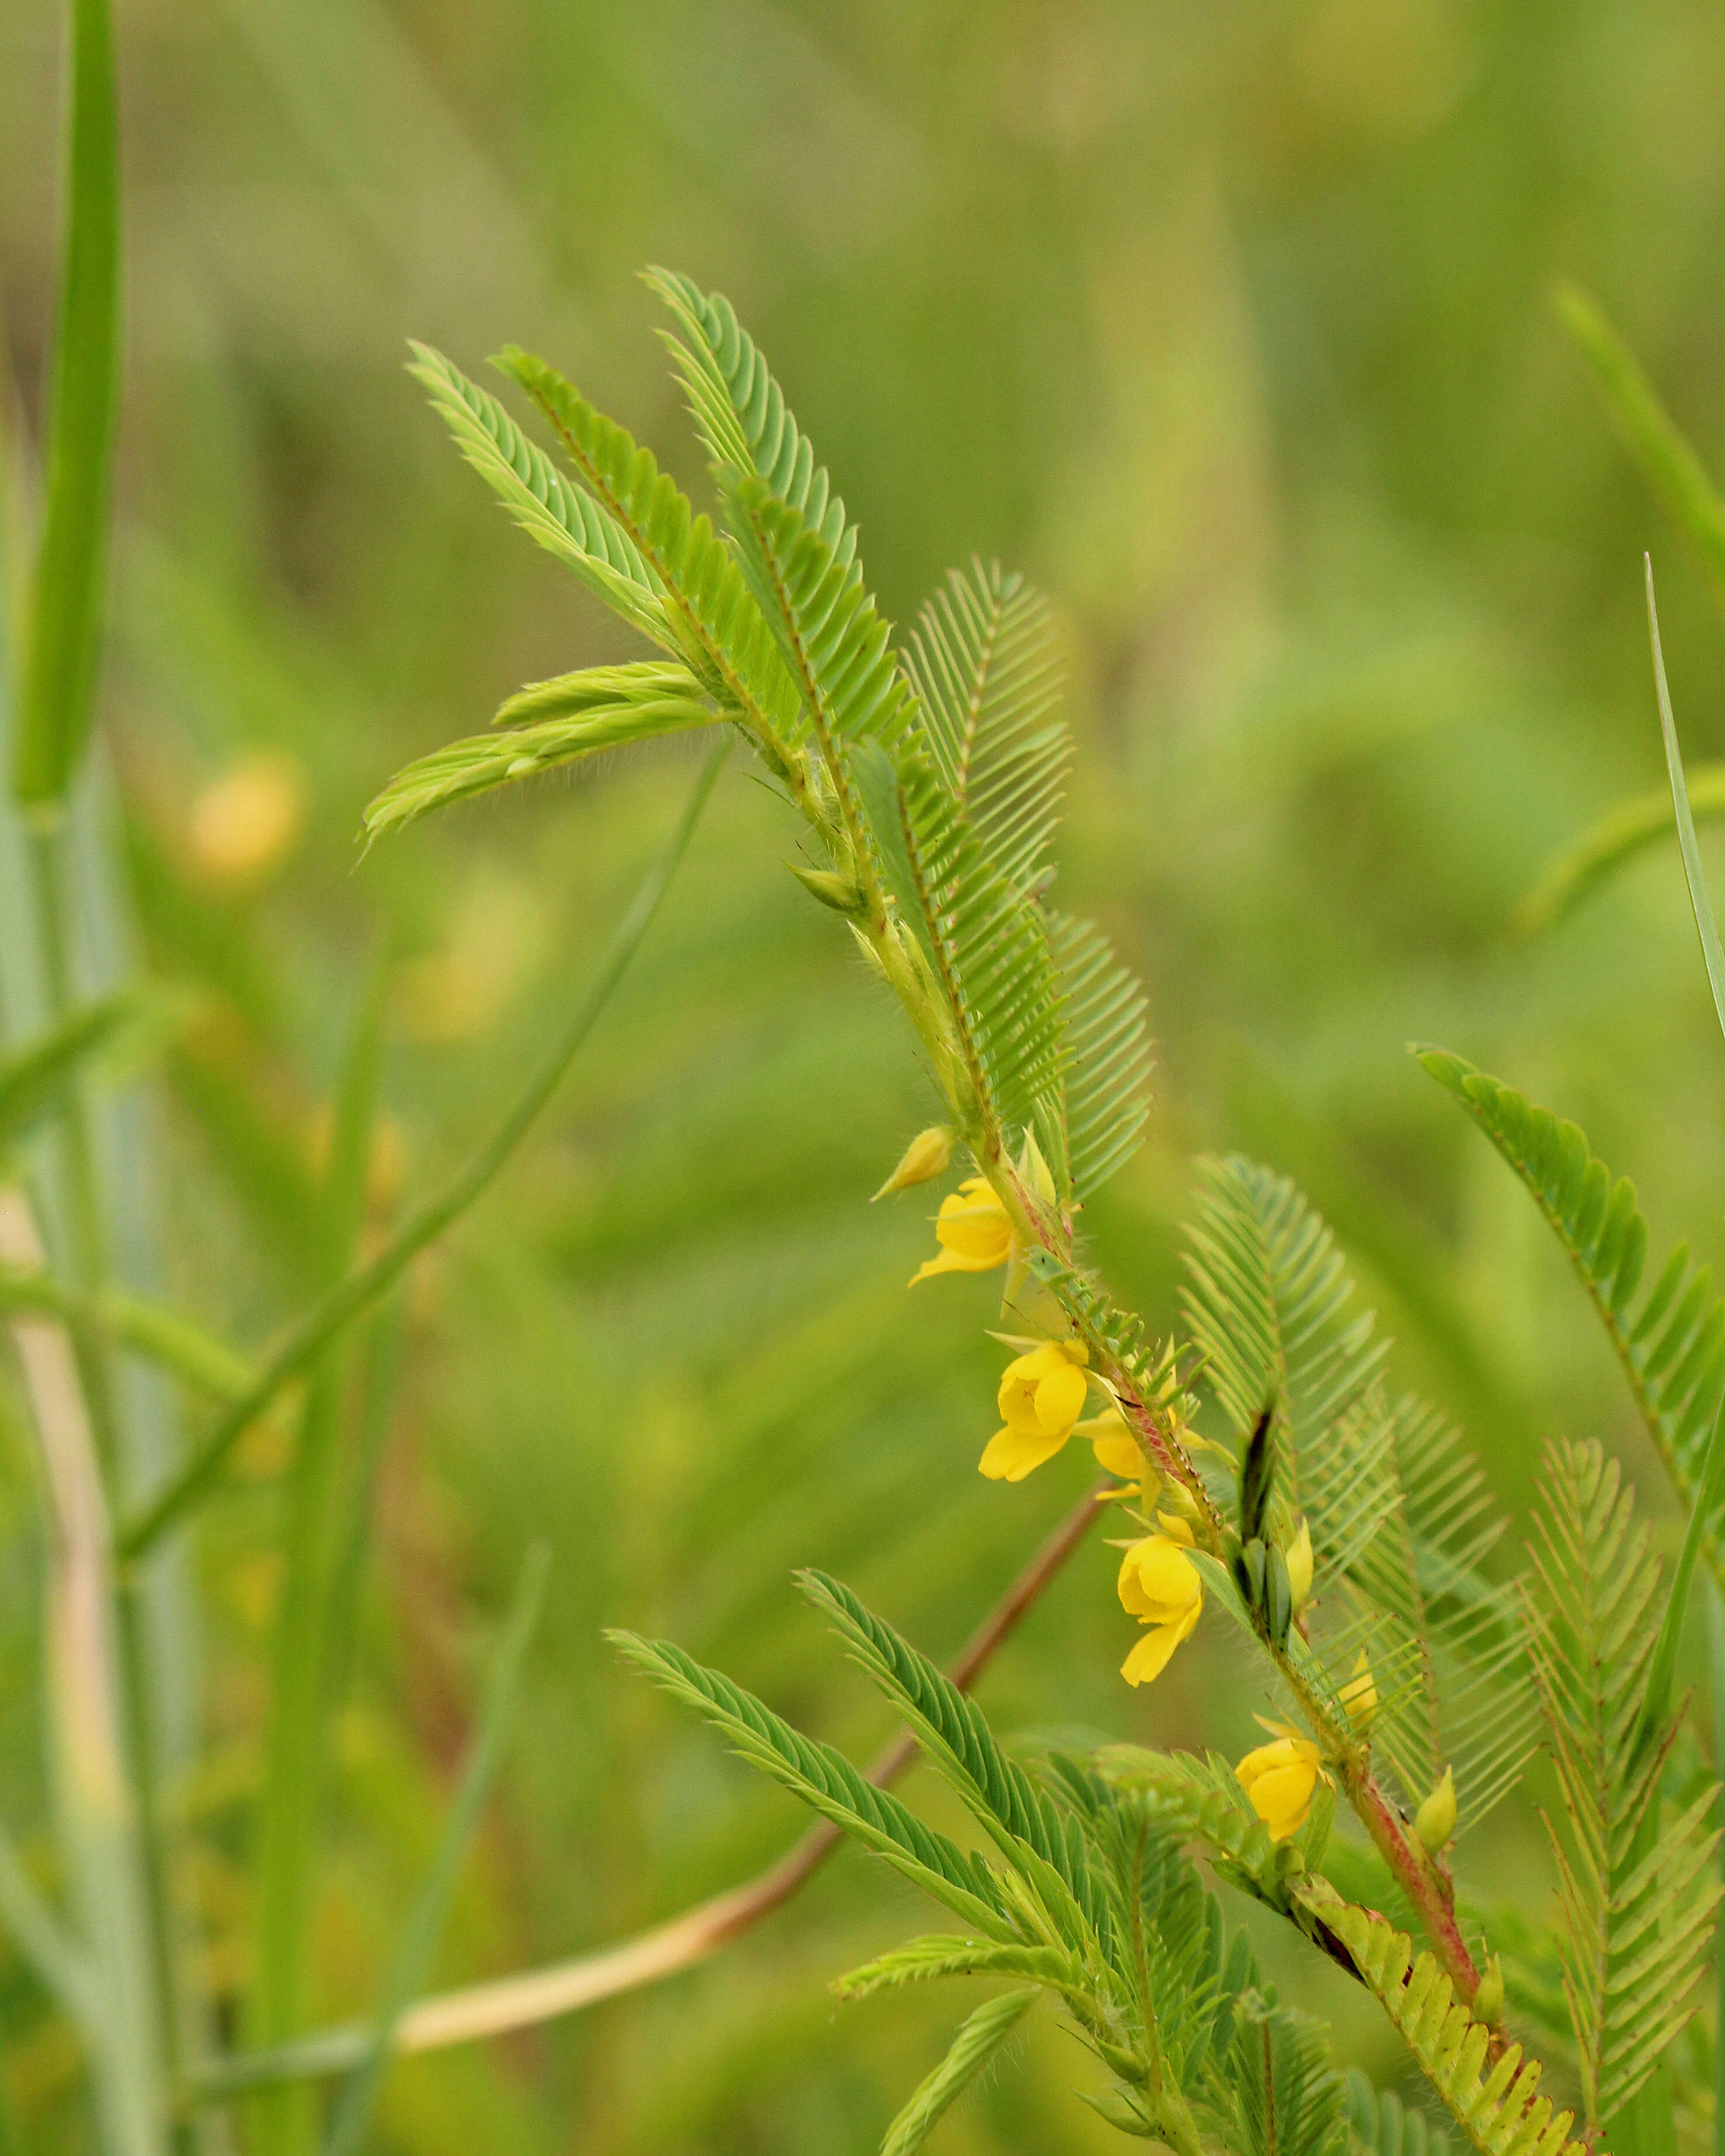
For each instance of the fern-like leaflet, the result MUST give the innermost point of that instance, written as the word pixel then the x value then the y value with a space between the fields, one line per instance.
pixel 826 1781
pixel 1496 2104
pixel 564 519
pixel 1671 1345
pixel 987 671
pixel 1638 1914
pixel 985 944
pixel 719 627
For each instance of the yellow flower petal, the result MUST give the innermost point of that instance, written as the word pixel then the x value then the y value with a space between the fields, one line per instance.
pixel 1175 1528
pixel 1010 1455
pixel 1299 1559
pixel 1158 1582
pixel 1119 1455
pixel 1151 1656
pixel 973 1230
pixel 1060 1397
pixel 1283 1798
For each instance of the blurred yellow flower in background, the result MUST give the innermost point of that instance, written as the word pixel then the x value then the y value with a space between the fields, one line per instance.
pixel 246 822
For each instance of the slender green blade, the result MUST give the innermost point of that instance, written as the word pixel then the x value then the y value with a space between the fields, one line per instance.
pixel 1669 466
pixel 418 1942
pixel 59 674
pixel 32 1079
pixel 283 2121
pixel 1575 872
pixel 1706 927
pixel 361 1290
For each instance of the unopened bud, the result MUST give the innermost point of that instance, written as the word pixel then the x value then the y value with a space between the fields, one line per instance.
pixel 1359 1695
pixel 1035 1170
pixel 1488 1999
pixel 1299 1567
pixel 1434 1821
pixel 929 1154
pixel 840 893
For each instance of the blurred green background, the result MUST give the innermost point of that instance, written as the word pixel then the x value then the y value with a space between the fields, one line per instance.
pixel 1230 324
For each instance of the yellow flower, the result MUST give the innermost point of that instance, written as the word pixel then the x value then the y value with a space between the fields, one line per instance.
pixel 1041 1397
pixel 1359 1695
pixel 925 1157
pixel 973 1230
pixel 1159 1584
pixel 1116 1449
pixel 1279 1777
pixel 1299 1561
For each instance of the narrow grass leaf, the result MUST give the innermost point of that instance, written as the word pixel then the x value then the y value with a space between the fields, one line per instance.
pixel 1706 927
pixel 33 1078
pixel 363 1289
pixel 413 1958
pixel 1669 466
pixel 60 666
pixel 1580 868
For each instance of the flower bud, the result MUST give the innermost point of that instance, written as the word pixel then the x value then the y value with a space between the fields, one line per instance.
pixel 1034 1171
pixel 840 893
pixel 1299 1567
pixel 929 1154
pixel 1434 1821
pixel 1359 1695
pixel 1488 1999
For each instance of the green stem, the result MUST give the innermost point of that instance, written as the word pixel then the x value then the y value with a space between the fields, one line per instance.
pixel 84 1228
pixel 362 1289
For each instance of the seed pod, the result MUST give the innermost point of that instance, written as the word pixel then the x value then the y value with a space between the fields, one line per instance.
pixel 1278 1597
pixel 1257 1475
pixel 1248 1573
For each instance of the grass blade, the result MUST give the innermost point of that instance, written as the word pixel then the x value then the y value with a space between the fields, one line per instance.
pixel 161 1336
pixel 59 1959
pixel 59 670
pixel 1705 925
pixel 1669 466
pixel 291 1811
pixel 33 1078
pixel 87 1701
pixel 418 1942
pixel 1578 869
pixel 361 1289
